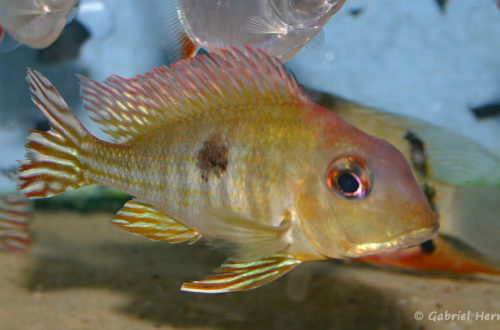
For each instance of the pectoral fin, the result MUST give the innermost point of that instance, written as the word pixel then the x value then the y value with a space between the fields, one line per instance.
pixel 241 238
pixel 243 276
pixel 142 219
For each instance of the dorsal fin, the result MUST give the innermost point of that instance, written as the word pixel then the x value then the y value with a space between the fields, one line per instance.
pixel 231 80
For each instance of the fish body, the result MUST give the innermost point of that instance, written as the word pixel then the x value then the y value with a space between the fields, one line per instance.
pixel 279 27
pixel 35 23
pixel 229 148
pixel 460 178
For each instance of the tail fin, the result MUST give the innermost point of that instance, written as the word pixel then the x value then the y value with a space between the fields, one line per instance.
pixel 51 166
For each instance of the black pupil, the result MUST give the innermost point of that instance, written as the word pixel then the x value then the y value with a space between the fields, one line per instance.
pixel 348 183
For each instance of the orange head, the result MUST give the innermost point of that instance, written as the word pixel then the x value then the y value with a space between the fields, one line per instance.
pixel 359 196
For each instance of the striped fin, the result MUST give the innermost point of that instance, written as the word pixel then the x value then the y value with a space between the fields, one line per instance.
pixel 243 276
pixel 52 164
pixel 231 79
pixel 142 219
pixel 15 216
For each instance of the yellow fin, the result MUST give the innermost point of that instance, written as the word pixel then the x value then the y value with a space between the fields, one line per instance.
pixel 230 80
pixel 142 219
pixel 242 239
pixel 243 276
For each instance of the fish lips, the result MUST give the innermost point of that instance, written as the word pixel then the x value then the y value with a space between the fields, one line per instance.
pixel 402 241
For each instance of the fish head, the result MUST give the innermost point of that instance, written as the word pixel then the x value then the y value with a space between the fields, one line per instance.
pixel 361 198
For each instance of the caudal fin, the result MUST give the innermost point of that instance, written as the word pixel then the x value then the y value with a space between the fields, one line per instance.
pixel 51 166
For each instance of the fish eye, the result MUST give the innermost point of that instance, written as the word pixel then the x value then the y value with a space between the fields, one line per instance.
pixel 348 178
pixel 349 183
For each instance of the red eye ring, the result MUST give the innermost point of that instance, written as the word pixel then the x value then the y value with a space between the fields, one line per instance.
pixel 348 178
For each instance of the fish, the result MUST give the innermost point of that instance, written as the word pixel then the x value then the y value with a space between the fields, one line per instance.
pixel 36 24
pixel 461 180
pixel 279 27
pixel 228 147
pixel 15 218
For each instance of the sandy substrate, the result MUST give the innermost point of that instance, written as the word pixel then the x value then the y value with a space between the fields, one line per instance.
pixel 84 273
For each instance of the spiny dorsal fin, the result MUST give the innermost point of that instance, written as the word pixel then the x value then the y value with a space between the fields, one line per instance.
pixel 142 219
pixel 231 80
pixel 243 276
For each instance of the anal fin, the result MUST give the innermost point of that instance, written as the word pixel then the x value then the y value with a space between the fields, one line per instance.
pixel 142 219
pixel 242 276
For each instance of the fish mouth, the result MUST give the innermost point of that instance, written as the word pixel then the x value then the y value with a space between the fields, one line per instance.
pixel 403 241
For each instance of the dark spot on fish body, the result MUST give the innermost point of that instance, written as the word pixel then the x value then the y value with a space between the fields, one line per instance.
pixel 417 150
pixel 428 247
pixel 419 164
pixel 430 193
pixel 213 158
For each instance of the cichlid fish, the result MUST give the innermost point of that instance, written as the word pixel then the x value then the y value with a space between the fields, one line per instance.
pixel 228 147
pixel 460 178
pixel 279 27
pixel 15 216
pixel 36 23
